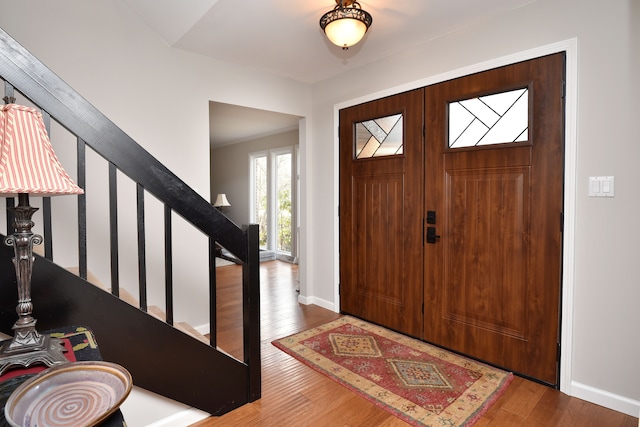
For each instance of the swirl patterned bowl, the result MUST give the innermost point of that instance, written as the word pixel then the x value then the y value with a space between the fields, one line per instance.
pixel 74 394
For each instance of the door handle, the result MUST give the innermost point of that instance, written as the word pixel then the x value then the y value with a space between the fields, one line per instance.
pixel 431 235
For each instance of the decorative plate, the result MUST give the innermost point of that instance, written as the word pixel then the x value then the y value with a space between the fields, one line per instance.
pixel 73 394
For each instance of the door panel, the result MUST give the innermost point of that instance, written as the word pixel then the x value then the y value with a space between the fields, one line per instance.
pixel 381 216
pixel 377 214
pixel 487 219
pixel 492 280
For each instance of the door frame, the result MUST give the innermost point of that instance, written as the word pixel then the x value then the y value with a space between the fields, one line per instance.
pixel 570 46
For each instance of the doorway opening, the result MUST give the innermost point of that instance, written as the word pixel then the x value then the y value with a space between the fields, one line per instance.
pixel 238 136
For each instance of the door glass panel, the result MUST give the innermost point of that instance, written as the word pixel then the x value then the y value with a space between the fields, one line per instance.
pixel 500 118
pixel 379 137
pixel 260 212
pixel 283 203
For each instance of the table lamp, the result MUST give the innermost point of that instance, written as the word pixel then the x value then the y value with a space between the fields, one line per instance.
pixel 28 165
pixel 221 202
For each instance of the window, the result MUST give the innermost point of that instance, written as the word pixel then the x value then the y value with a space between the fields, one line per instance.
pixel 273 199
pixel 379 137
pixel 283 213
pixel 494 119
pixel 259 196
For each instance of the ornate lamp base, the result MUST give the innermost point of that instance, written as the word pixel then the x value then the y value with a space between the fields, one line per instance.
pixel 27 347
pixel 45 350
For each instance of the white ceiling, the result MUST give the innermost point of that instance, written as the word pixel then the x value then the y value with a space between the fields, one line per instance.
pixel 284 37
pixel 230 124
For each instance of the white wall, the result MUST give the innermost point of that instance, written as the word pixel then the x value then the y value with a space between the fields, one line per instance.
pixel 607 288
pixel 132 77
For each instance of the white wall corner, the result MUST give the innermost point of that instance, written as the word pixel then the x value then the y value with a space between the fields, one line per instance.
pixel 605 398
pixel 329 305
pixel 570 203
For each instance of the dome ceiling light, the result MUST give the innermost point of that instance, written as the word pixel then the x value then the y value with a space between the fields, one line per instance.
pixel 346 24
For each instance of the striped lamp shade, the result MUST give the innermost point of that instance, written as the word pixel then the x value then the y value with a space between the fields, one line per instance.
pixel 27 161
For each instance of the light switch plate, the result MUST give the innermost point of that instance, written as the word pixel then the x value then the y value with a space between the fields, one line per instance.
pixel 601 186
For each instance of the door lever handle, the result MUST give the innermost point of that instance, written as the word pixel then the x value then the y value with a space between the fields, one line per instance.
pixel 431 235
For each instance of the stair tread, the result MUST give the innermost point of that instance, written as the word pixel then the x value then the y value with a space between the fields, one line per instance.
pixel 90 277
pixel 187 328
pixel 157 312
pixel 153 310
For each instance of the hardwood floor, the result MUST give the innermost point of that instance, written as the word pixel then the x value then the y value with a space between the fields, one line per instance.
pixel 295 395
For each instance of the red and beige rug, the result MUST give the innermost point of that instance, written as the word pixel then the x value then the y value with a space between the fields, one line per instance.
pixel 417 382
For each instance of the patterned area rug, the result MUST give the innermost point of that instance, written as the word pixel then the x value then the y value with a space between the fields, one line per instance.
pixel 417 382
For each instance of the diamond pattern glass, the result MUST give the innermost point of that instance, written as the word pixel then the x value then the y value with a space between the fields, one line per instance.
pixel 379 137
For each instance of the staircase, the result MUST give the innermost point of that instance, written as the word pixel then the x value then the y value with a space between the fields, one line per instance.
pixel 127 297
pixel 161 358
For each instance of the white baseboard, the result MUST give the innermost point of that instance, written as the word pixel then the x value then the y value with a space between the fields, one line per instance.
pixel 317 301
pixel 606 399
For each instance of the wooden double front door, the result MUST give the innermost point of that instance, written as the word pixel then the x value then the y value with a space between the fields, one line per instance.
pixel 451 200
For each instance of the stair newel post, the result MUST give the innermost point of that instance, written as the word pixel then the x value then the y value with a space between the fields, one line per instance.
pixel 213 286
pixel 251 311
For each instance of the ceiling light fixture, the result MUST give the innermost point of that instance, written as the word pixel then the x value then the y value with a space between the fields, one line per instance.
pixel 346 24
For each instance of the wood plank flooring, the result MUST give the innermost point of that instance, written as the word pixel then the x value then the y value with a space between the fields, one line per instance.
pixel 295 395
